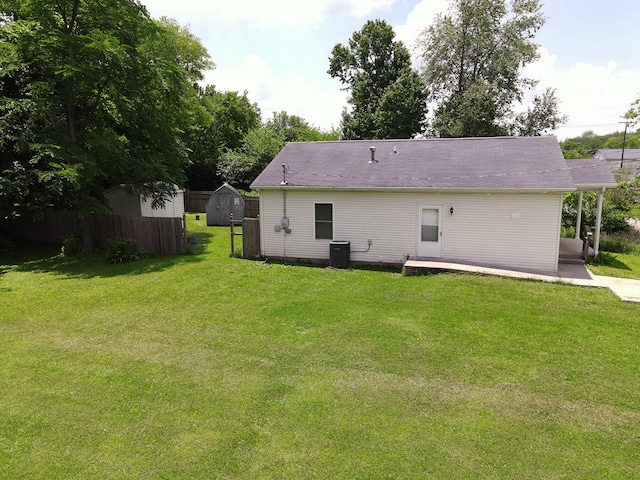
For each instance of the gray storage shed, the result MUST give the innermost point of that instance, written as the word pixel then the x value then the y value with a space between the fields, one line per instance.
pixel 222 203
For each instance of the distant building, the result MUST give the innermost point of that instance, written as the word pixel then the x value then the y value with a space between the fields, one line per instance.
pixel 613 157
pixel 127 203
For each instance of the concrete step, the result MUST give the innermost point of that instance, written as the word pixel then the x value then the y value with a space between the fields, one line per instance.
pixel 570 260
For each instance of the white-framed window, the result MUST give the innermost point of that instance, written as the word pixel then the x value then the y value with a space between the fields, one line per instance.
pixel 323 220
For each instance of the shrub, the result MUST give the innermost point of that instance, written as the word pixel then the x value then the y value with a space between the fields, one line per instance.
pixel 6 246
pixel 605 259
pixel 615 210
pixel 124 250
pixel 71 245
pixel 626 242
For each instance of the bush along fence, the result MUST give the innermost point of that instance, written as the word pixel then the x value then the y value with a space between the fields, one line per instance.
pixel 196 201
pixel 155 235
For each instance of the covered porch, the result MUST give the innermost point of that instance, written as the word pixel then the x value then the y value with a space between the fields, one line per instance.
pixel 575 250
pixel 591 175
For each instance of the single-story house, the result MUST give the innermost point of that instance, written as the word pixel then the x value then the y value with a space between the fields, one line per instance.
pixel 495 201
pixel 122 202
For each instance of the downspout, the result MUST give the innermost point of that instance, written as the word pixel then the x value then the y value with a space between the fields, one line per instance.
pixel 579 217
pixel 596 240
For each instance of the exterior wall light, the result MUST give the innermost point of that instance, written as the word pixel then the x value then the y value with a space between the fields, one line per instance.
pixel 451 211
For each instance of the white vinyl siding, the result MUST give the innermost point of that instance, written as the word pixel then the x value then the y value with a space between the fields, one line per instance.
pixel 123 203
pixel 173 207
pixel 135 205
pixel 502 229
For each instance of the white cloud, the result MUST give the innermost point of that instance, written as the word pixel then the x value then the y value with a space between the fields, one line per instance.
pixel 595 97
pixel 274 12
pixel 307 98
pixel 421 17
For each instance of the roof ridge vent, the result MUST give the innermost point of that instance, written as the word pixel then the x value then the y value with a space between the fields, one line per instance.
pixel 373 154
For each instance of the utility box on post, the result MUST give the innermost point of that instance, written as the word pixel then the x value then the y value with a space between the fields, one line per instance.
pixel 340 254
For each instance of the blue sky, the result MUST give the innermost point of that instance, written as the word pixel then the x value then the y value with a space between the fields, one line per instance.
pixel 278 51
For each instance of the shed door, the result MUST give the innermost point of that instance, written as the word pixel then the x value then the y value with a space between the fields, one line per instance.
pixel 429 231
pixel 224 208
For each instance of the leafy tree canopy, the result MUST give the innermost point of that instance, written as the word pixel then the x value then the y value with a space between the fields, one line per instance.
pixel 388 98
pixel 586 145
pixel 93 94
pixel 242 165
pixel 472 58
pixel 296 129
pixel 225 120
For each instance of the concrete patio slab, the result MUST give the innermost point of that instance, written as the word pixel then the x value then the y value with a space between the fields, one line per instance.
pixel 627 289
pixel 573 274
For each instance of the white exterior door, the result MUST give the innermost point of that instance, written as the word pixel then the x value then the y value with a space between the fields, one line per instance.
pixel 429 231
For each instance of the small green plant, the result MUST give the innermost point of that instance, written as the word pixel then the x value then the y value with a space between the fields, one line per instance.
pixel 605 258
pixel 124 250
pixel 237 253
pixel 71 245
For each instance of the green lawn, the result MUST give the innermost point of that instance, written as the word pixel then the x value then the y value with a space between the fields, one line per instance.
pixel 618 265
pixel 206 366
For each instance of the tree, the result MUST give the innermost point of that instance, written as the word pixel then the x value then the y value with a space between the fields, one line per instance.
pixel 632 116
pixel 586 145
pixel 225 120
pixel 388 98
pixel 543 117
pixel 616 207
pixel 240 167
pixel 472 58
pixel 296 129
pixel 93 94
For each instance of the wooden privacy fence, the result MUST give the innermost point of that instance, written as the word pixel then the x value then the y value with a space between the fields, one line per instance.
pixel 156 235
pixel 250 234
pixel 196 201
pixel 250 237
pixel 167 236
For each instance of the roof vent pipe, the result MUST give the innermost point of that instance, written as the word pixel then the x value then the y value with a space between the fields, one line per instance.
pixel 373 155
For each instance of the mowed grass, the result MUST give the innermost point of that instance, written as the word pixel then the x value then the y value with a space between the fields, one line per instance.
pixel 207 366
pixel 617 265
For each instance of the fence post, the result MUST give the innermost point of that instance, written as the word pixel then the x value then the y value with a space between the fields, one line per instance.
pixel 232 234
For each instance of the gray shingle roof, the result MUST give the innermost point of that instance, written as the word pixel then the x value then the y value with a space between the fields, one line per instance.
pixel 499 163
pixel 591 173
pixel 616 153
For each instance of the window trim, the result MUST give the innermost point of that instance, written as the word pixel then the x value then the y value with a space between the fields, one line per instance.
pixel 316 221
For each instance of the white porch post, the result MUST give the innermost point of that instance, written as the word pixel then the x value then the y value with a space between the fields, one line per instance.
pixel 596 240
pixel 579 218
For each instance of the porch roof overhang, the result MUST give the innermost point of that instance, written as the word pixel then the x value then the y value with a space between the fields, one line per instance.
pixel 591 175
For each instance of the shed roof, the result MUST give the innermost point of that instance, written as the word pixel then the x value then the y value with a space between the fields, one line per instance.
pixel 497 163
pixel 616 153
pixel 591 174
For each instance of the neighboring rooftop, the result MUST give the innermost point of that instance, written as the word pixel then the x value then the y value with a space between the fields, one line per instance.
pixel 612 154
pixel 497 163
